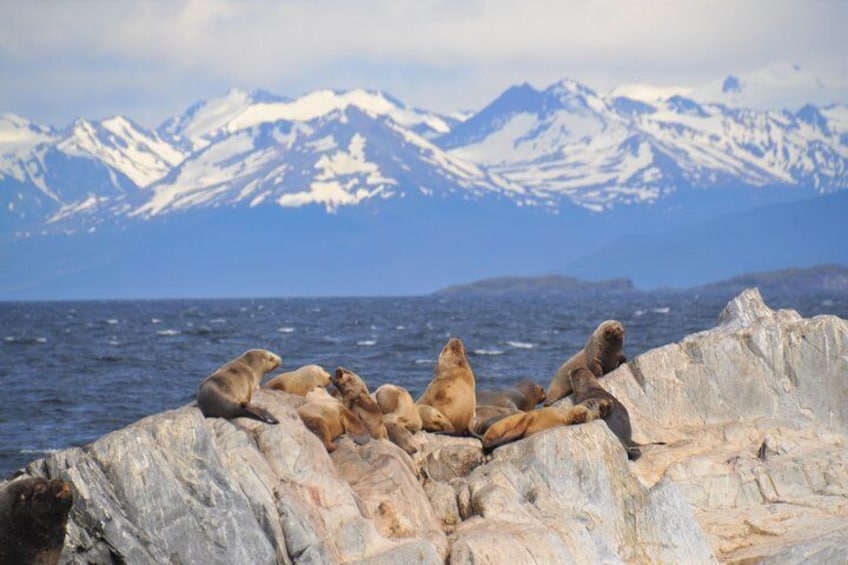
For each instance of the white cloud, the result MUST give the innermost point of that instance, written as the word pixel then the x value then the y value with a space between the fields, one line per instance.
pixel 151 58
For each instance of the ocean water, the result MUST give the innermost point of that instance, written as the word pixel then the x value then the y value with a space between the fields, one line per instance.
pixel 74 371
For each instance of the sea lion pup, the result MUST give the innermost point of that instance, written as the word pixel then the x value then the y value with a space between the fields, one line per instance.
pixel 586 387
pixel 397 401
pixel 33 515
pixel 226 392
pixel 328 419
pixel 451 391
pixel 433 421
pixel 300 381
pixel 525 424
pixel 603 352
pixel 355 397
pixel 524 396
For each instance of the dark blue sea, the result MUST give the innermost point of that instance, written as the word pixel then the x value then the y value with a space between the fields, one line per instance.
pixel 73 371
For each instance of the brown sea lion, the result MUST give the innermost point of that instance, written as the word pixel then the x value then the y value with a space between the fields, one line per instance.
pixel 452 389
pixel 396 400
pixel 433 421
pixel 525 424
pixel 226 392
pixel 33 515
pixel 602 353
pixel 355 397
pixel 524 396
pixel 300 381
pixel 488 415
pixel 586 387
pixel 329 418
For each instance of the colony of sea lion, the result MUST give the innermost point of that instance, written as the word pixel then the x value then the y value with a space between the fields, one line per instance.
pixel 450 403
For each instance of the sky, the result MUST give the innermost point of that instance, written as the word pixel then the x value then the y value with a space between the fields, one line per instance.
pixel 150 60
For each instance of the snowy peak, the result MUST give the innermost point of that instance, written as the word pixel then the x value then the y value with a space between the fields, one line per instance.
pixel 140 155
pixel 341 158
pixel 238 110
pixel 18 135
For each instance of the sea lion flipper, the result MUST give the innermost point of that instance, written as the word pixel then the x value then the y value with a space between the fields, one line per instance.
pixel 504 431
pixel 401 437
pixel 255 412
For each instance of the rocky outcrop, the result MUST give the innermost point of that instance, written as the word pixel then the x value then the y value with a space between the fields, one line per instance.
pixel 755 468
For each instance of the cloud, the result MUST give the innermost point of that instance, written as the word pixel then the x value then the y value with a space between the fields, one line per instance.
pixel 429 53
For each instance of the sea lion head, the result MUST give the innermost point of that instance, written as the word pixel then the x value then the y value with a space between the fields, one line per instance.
pixel 433 420
pixel 317 372
pixel 533 391
pixel 452 355
pixel 261 359
pixel 612 332
pixel 43 504
pixel 349 383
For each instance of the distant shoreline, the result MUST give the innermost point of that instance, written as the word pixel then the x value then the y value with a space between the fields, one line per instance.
pixel 827 277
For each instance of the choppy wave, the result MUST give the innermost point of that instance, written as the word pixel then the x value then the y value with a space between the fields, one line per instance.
pixel 155 321
pixel 663 310
pixel 488 352
pixel 367 342
pixel 166 333
pixel 24 340
pixel 521 344
pixel 425 361
pixel 285 330
pixel 113 321
pixel 45 451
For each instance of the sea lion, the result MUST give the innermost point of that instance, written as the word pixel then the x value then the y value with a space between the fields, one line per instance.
pixel 396 400
pixel 524 396
pixel 603 352
pixel 452 389
pixel 300 381
pixel 355 397
pixel 33 515
pixel 226 392
pixel 329 418
pixel 487 415
pixel 525 424
pixel 433 421
pixel 586 387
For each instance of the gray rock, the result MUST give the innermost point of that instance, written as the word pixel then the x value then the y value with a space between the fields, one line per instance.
pixel 755 469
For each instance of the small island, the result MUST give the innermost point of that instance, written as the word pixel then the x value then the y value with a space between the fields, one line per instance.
pixel 547 284
pixel 825 278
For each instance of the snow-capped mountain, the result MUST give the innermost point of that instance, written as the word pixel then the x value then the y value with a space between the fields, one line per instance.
pixel 565 144
pixel 568 141
pixel 342 157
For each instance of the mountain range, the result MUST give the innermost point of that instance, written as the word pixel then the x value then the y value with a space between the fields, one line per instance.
pixel 408 200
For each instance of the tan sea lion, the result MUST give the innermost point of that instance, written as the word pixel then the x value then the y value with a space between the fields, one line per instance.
pixel 525 424
pixel 524 396
pixel 300 381
pixel 329 418
pixel 355 397
pixel 396 400
pixel 227 391
pixel 433 421
pixel 33 515
pixel 586 387
pixel 603 352
pixel 452 389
